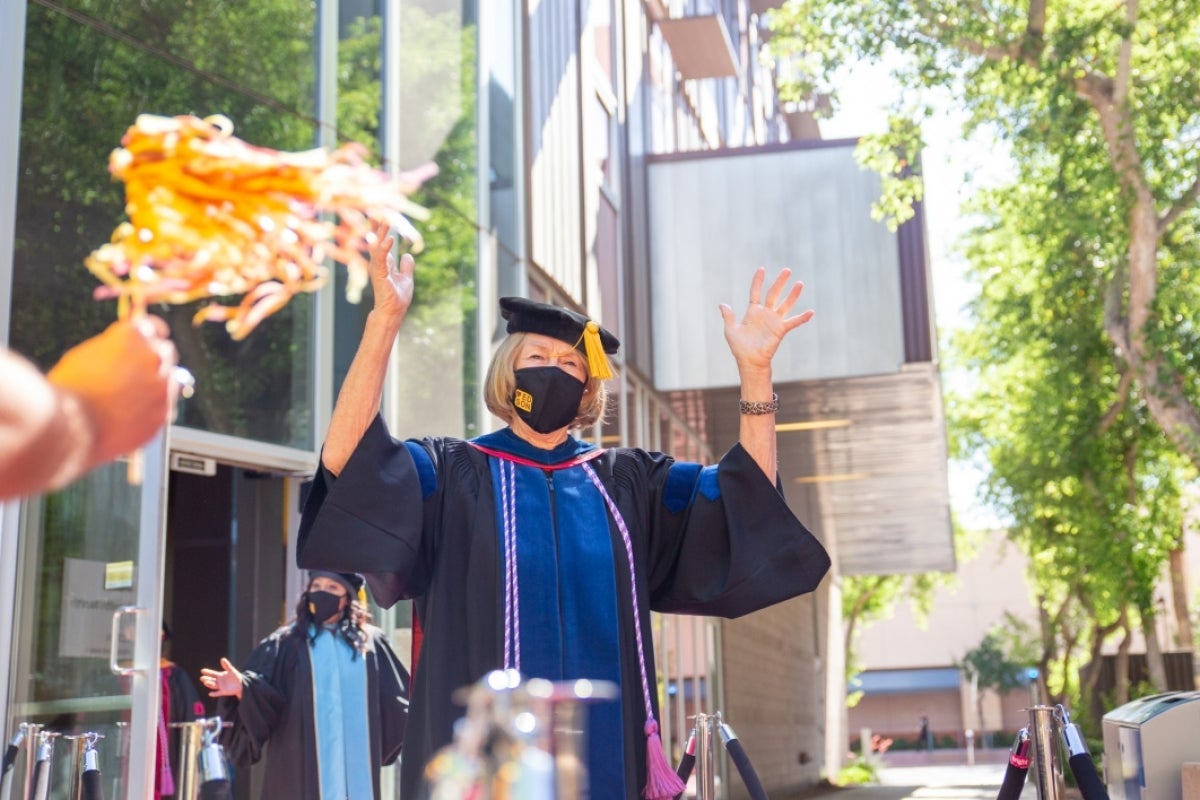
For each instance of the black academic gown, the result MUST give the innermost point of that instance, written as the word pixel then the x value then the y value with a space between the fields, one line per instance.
pixel 431 535
pixel 184 703
pixel 275 713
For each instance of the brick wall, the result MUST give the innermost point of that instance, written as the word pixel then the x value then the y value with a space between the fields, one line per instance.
pixel 774 694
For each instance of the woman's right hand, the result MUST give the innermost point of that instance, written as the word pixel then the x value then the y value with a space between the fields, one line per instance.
pixel 393 287
pixel 225 682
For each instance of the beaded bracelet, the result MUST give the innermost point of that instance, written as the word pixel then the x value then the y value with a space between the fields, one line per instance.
pixel 748 407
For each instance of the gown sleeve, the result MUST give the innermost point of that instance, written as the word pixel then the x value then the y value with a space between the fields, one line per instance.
pixel 393 700
pixel 264 699
pixel 185 700
pixel 369 519
pixel 724 541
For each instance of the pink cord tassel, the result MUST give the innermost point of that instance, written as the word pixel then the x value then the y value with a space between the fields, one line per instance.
pixel 661 781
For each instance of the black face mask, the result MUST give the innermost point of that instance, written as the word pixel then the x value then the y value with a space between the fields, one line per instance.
pixel 547 398
pixel 323 605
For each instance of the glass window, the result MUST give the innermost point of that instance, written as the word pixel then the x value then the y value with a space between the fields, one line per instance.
pixel 437 111
pixel 86 81
pixel 77 559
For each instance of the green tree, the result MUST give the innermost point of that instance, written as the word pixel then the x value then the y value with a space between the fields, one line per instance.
pixel 92 70
pixel 999 662
pixel 1085 330
pixel 867 599
pixel 1111 84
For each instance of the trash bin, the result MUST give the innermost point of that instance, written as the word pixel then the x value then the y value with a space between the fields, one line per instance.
pixel 1146 743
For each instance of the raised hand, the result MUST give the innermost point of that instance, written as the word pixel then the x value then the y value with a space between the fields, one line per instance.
pixel 225 682
pixel 754 340
pixel 393 286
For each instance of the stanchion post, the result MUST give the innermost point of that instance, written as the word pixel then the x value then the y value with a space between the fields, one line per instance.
pixel 32 739
pixel 1046 764
pixel 80 744
pixel 186 785
pixel 39 785
pixel 705 770
pixel 568 746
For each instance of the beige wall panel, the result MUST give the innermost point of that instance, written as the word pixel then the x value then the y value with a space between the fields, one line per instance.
pixel 714 220
pixel 898 716
pixel 988 585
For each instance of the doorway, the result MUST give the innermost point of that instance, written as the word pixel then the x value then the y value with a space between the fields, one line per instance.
pixel 226 572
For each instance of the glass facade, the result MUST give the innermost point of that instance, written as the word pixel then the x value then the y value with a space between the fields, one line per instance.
pixel 438 106
pixel 438 81
pixel 402 80
pixel 78 564
pixel 90 70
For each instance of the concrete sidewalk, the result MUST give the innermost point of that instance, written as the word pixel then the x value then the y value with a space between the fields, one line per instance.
pixel 931 781
pixel 943 775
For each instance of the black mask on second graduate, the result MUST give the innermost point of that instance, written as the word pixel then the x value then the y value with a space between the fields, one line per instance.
pixel 323 605
pixel 547 398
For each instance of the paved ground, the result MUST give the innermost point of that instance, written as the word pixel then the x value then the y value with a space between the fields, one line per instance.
pixel 919 777
pixel 945 782
pixel 921 782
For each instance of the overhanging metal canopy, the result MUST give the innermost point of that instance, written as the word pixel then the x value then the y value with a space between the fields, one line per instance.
pixel 863 462
pixel 700 46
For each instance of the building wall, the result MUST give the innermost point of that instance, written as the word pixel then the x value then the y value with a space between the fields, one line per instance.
pixel 803 208
pixel 772 695
pixel 772 682
pixel 986 587
pixel 898 716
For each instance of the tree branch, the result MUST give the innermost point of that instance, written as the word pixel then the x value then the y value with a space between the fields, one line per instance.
pixel 1012 50
pixel 1125 57
pixel 1035 20
pixel 1118 405
pixel 1185 203
pixel 991 52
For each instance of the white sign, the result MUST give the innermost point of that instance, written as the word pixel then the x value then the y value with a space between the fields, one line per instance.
pixel 87 608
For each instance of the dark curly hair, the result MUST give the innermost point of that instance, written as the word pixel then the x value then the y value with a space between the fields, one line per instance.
pixel 351 625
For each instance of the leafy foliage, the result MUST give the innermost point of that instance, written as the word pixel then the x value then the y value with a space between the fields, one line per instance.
pixel 1085 327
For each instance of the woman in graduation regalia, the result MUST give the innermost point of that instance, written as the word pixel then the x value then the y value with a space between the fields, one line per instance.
pixel 529 549
pixel 324 698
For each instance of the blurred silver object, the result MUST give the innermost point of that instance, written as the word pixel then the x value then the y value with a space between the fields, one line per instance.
pixel 1046 766
pixel 201 757
pixel 519 740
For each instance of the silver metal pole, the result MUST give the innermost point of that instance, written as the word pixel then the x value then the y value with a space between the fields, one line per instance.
pixel 570 757
pixel 45 755
pixel 186 785
pixel 83 759
pixel 1045 764
pixel 32 740
pixel 706 784
pixel 77 745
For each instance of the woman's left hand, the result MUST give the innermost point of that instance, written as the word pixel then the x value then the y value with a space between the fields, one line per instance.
pixel 754 340
pixel 223 682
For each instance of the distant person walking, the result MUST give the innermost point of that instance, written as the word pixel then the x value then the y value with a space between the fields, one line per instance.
pixel 925 738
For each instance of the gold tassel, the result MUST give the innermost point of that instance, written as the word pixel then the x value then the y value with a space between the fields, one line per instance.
pixel 597 359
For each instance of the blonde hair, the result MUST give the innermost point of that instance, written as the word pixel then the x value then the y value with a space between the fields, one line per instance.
pixel 501 383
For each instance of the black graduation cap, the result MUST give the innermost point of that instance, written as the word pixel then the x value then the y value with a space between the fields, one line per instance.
pixel 351 580
pixel 528 316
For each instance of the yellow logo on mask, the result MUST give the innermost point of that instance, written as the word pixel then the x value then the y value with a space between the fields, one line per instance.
pixel 523 400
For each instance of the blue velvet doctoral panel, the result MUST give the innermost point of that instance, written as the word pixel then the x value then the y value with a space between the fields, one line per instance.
pixel 566 587
pixel 340 712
